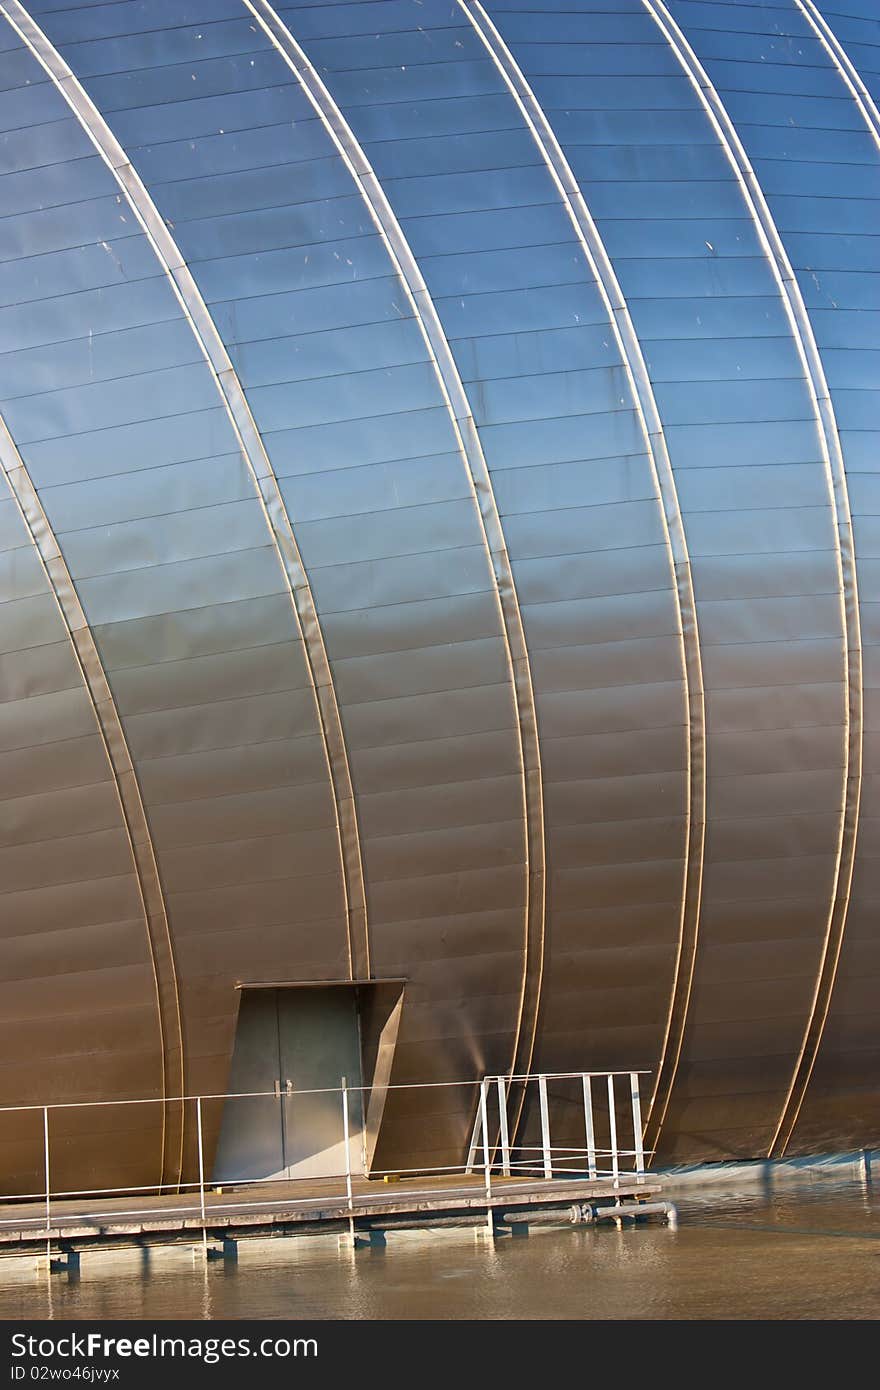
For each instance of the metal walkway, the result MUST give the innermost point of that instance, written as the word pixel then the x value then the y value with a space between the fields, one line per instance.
pixel 79 1225
pixel 502 1182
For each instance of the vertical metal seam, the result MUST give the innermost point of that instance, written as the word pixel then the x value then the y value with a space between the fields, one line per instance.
pixel 471 450
pixel 832 456
pixel 642 392
pixel 127 790
pixel 254 453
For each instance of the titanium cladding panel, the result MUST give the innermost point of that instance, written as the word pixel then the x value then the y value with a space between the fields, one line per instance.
pixel 440 541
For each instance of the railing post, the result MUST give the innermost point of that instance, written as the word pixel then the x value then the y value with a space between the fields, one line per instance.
pixel 48 1185
pixel 612 1126
pixel 201 1176
pixel 545 1127
pixel 363 1112
pixel 637 1125
pixel 346 1140
pixel 484 1122
pixel 588 1125
pixel 505 1138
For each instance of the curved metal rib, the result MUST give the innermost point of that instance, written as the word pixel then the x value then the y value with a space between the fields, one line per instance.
pixel 845 66
pixel 802 331
pixel 196 312
pixel 471 450
pixel 870 114
pixel 127 790
pixel 630 350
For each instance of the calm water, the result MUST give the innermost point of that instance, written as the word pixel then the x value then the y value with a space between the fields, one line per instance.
pixel 809 1250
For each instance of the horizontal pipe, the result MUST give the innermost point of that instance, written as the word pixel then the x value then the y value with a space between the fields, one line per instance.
pixel 545 1216
pixel 631 1211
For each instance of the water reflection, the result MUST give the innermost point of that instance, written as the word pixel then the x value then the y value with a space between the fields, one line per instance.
pixel 807 1250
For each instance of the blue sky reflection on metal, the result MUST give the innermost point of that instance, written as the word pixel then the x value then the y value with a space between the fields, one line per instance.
pixel 572 461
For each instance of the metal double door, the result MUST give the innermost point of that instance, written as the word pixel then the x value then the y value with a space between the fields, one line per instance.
pixel 293 1046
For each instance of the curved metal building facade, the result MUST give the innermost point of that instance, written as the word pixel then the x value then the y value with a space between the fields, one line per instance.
pixel 441 541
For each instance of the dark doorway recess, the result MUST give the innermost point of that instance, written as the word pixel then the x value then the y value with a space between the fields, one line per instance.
pixel 295 1044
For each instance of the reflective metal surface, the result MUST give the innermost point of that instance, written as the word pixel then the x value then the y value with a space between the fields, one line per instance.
pixel 440 544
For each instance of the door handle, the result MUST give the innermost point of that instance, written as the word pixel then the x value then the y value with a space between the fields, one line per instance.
pixel 276 1086
pixel 288 1087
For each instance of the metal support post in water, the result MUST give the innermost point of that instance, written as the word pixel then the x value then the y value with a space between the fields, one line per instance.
pixel 545 1127
pixel 201 1176
pixel 48 1187
pixel 588 1125
pixel 612 1126
pixel 484 1124
pixel 505 1138
pixel 638 1144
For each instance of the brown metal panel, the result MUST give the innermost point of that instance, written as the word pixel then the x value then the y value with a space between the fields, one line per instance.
pixel 834 1099
pixel 708 412
pixel 139 567
pixel 64 844
pixel 432 521
pixel 373 275
pixel 786 251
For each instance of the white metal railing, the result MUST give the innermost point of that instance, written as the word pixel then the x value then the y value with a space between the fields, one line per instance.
pixel 494 1117
pixel 500 1146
